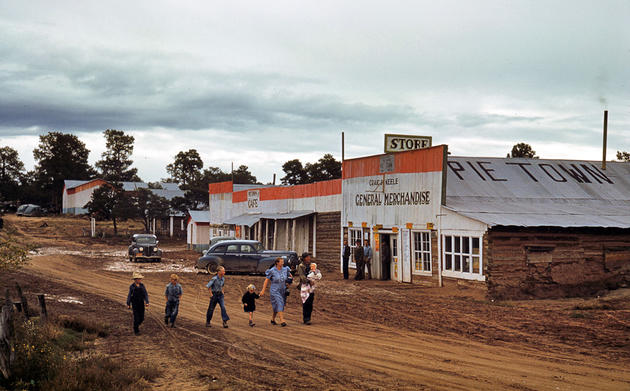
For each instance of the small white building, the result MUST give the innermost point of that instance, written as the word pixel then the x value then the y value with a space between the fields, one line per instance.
pixel 198 230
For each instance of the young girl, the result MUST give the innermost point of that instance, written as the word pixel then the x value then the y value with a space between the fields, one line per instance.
pixel 249 302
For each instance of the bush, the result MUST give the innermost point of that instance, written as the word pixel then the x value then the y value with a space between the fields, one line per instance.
pixel 101 373
pixel 44 359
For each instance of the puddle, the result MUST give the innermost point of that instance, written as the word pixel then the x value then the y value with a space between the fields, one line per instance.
pixel 65 299
pixel 44 251
pixel 125 266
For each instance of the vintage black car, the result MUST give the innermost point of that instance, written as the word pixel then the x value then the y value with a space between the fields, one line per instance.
pixel 243 256
pixel 144 247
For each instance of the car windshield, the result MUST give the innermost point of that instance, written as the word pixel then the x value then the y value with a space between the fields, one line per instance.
pixel 145 240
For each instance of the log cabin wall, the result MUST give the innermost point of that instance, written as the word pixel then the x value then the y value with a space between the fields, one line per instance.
pixel 556 262
pixel 328 226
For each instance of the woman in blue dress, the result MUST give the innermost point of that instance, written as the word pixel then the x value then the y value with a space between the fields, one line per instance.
pixel 278 275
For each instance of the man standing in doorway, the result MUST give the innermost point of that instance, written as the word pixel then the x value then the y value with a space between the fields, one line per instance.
pixel 358 260
pixel 367 255
pixel 346 258
pixel 385 259
pixel 215 286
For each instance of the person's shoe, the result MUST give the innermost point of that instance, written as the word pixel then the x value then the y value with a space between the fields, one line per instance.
pixel 307 322
pixel 166 320
pixel 208 324
pixel 173 326
pixel 225 326
pixel 250 322
pixel 136 333
pixel 283 324
pixel 273 322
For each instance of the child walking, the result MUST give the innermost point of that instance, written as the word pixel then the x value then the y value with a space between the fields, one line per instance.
pixel 172 294
pixel 249 302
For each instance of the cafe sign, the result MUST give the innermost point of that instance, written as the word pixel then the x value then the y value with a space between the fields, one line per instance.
pixel 404 142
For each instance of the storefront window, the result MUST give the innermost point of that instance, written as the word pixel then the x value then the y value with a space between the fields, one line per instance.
pixel 355 234
pixel 462 255
pixel 422 251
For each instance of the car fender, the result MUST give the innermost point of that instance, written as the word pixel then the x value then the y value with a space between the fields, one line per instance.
pixel 205 260
pixel 266 263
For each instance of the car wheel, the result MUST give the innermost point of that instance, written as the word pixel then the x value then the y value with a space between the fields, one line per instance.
pixel 211 268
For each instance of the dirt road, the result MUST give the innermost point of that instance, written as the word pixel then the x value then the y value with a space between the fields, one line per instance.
pixel 366 335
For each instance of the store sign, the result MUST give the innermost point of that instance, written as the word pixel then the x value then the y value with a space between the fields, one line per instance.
pixel 403 142
pixel 253 199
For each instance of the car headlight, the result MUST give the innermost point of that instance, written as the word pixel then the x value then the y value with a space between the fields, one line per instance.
pixel 141 249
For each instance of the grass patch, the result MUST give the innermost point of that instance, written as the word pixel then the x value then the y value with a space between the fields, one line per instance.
pixel 81 325
pixel 46 359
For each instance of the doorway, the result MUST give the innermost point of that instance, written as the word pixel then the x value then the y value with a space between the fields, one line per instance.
pixel 390 268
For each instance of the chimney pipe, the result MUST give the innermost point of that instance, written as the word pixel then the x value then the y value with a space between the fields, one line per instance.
pixel 274 179
pixel 605 139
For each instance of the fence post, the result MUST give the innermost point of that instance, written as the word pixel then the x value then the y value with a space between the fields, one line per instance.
pixel 93 227
pixel 6 336
pixel 23 301
pixel 42 304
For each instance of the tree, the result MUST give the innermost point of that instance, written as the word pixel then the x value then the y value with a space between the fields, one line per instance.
pixel 623 156
pixel 186 168
pixel 242 176
pixel 149 206
pixel 110 202
pixel 59 156
pixel 295 173
pixel 326 168
pixel 115 164
pixel 522 150
pixel 11 173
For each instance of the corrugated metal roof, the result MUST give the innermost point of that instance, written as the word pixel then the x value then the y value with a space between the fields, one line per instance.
pixel 71 184
pixel 168 194
pixel 200 216
pixel 536 192
pixel 251 219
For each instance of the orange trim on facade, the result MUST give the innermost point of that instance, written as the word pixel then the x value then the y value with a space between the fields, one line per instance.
pixel 85 186
pixel 317 189
pixel 220 187
pixel 422 160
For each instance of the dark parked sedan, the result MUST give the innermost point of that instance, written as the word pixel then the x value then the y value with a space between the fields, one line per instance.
pixel 243 256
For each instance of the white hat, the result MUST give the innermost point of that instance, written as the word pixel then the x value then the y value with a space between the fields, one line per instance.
pixel 137 275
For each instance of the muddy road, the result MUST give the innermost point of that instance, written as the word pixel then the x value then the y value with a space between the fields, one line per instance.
pixel 365 335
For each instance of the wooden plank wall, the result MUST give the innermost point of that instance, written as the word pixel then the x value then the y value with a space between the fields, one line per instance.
pixel 328 238
pixel 556 262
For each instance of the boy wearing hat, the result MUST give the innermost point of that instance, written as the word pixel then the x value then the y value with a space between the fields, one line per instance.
pixel 172 294
pixel 137 299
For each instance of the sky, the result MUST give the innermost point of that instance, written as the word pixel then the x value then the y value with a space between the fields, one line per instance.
pixel 260 83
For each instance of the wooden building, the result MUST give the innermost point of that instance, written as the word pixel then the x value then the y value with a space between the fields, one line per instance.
pixel 512 227
pixel 298 218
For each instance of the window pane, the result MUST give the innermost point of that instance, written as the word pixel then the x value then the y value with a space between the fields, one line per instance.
pixel 426 262
pixel 466 245
pixel 449 244
pixel 458 263
pixel 232 248
pixel 466 264
pixel 457 243
pixel 394 247
pixel 448 262
pixel 475 265
pixel 475 246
